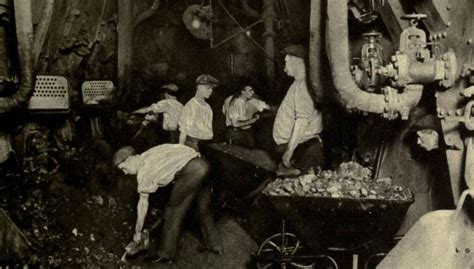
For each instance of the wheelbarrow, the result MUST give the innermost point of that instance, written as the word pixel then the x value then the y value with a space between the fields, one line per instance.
pixel 326 224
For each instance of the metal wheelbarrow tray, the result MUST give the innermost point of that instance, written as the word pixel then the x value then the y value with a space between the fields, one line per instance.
pixel 347 223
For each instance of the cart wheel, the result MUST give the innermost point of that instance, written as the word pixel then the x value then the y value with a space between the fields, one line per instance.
pixel 280 245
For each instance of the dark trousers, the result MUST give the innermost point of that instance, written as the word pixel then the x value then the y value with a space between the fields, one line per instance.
pixel 191 182
pixel 173 137
pixel 195 143
pixel 307 155
pixel 240 137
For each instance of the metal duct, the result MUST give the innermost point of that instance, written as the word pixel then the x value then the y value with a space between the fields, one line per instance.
pixel 24 33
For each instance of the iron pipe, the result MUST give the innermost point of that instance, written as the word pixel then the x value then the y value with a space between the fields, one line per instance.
pixel 337 47
pixel 24 33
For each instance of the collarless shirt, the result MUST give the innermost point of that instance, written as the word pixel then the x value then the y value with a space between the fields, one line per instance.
pixel 237 109
pixel 196 120
pixel 158 166
pixel 296 104
pixel 171 109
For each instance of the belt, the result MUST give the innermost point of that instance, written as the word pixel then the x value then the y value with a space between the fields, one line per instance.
pixel 240 129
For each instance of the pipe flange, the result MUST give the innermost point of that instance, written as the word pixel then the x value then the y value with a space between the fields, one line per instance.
pixel 450 64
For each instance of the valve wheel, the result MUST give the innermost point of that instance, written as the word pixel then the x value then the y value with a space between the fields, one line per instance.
pixel 414 16
pixel 286 244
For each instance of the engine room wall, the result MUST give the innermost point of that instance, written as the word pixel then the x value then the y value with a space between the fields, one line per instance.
pixel 165 51
pixel 81 41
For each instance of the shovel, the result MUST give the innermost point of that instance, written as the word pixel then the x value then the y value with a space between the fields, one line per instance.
pixel 439 239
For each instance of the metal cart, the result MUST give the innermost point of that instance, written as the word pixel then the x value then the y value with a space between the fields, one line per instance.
pixel 325 225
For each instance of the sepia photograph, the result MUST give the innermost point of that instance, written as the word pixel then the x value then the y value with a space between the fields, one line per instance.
pixel 237 134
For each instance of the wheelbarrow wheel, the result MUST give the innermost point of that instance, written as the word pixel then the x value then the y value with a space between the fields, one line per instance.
pixel 278 245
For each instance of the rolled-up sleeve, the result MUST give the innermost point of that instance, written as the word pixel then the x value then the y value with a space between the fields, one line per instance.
pixel 158 107
pixel 259 105
pixel 304 106
pixel 186 118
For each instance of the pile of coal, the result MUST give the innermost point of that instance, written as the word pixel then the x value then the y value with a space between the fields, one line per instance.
pixel 350 180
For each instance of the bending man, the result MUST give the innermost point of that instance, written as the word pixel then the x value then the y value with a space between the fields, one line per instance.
pixel 158 167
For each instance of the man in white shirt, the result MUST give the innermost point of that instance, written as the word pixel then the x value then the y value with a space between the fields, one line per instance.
pixel 298 123
pixel 158 167
pixel 171 109
pixel 195 122
pixel 241 113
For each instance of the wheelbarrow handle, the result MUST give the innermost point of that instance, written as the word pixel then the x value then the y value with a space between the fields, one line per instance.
pixel 463 199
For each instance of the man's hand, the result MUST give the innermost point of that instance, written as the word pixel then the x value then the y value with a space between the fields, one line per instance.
pixel 151 117
pixel 286 159
pixel 137 237
pixel 255 118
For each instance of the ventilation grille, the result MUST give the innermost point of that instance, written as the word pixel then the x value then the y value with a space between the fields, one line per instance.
pixel 50 93
pixel 97 92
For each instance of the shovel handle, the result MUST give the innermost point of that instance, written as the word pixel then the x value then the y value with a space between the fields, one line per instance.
pixel 463 199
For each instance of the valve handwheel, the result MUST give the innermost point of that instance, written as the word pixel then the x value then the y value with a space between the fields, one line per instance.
pixel 414 18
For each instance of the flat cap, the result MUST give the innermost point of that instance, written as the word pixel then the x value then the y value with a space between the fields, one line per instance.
pixel 170 87
pixel 122 154
pixel 295 50
pixel 206 79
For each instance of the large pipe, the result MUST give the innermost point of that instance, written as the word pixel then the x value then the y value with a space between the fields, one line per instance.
pixel 24 33
pixel 269 16
pixel 337 47
pixel 42 29
pixel 315 48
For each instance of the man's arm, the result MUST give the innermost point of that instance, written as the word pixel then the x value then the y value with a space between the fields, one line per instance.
pixel 142 110
pixel 156 108
pixel 182 137
pixel 298 132
pixel 243 123
pixel 142 209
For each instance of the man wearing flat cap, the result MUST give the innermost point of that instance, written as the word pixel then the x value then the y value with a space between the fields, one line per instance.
pixel 171 109
pixel 195 122
pixel 298 123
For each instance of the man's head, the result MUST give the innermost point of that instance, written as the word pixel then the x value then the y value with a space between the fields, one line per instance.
pixel 205 85
pixel 295 56
pixel 427 139
pixel 247 92
pixel 126 160
pixel 171 90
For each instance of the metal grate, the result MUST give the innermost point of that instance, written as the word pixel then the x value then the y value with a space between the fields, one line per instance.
pixel 97 91
pixel 50 93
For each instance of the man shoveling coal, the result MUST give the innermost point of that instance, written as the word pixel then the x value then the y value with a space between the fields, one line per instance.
pixel 158 167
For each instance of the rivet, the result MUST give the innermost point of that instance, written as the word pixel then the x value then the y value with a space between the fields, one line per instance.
pixel 448 7
pixel 445 34
pixel 450 113
pixel 459 112
pixel 469 41
pixel 439 36
pixel 448 24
